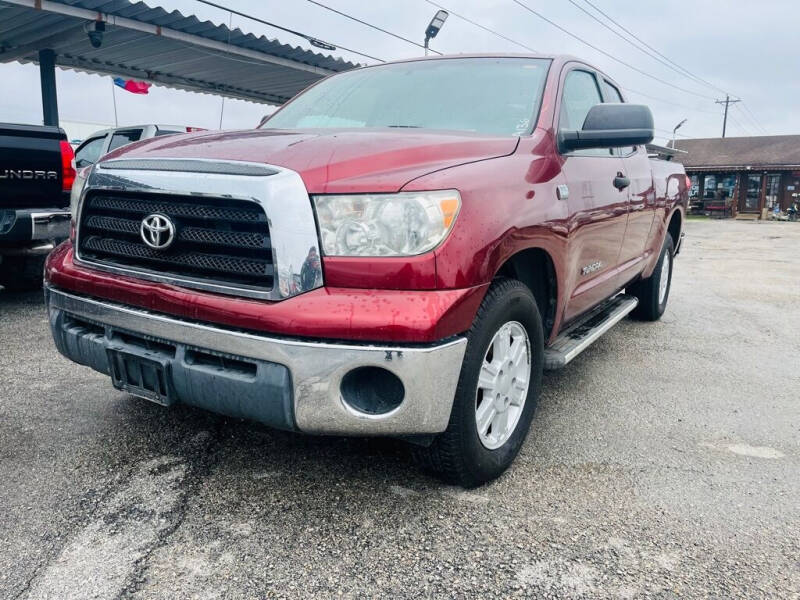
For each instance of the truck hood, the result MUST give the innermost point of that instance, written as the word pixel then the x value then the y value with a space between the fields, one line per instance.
pixel 334 160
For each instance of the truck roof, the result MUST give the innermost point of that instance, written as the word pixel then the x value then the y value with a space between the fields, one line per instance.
pixel 181 128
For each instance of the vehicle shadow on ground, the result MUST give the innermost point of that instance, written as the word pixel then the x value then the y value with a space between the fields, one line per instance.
pixel 246 451
pixel 20 298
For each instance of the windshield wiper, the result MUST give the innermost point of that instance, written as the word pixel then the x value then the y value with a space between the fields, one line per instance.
pixel 406 126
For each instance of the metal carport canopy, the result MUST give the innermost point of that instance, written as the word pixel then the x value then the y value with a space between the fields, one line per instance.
pixel 151 44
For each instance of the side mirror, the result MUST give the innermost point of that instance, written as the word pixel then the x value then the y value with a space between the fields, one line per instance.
pixel 610 126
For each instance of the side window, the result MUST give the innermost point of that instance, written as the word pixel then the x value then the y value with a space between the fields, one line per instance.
pixel 88 152
pixel 121 138
pixel 611 94
pixel 579 96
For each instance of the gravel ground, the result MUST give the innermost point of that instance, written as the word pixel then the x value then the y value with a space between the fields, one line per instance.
pixel 664 462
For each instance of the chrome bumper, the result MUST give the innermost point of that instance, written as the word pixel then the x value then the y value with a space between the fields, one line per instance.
pixel 429 374
pixel 42 227
pixel 50 225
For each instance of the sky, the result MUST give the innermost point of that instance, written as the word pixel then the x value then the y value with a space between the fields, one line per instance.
pixel 747 49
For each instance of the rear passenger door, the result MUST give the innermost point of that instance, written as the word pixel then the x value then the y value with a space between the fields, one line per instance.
pixel 597 210
pixel 641 198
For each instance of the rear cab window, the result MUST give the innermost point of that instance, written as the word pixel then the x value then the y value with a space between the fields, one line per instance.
pixel 122 138
pixel 161 132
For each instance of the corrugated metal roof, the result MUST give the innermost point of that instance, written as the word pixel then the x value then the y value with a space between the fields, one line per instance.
pixel 185 53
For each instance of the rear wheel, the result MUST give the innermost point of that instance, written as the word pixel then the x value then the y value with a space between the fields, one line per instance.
pixel 653 292
pixel 497 390
pixel 22 273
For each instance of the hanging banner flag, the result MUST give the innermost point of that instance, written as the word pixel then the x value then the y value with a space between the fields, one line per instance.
pixel 134 87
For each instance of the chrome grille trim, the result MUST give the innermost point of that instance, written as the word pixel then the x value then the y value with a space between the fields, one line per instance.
pixel 281 196
pixel 191 165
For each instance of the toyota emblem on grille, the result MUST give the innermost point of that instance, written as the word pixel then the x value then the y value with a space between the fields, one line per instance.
pixel 157 231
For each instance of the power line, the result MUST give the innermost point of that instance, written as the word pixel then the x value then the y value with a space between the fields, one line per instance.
pixel 641 41
pixel 483 27
pixel 311 39
pixel 747 113
pixel 627 40
pixel 657 99
pixel 521 45
pixel 609 55
pixel 658 56
pixel 381 29
pixel 686 71
pixel 741 127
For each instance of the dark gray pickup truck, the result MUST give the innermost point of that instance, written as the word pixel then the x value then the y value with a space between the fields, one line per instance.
pixel 36 174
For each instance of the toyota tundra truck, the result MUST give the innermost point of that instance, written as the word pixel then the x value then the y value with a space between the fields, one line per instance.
pixel 398 251
pixel 36 174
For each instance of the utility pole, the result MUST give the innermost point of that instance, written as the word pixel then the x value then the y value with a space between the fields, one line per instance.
pixel 726 102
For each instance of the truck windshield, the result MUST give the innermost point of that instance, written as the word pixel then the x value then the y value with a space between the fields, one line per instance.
pixel 498 96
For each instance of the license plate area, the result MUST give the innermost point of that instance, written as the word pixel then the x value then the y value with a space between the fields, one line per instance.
pixel 147 378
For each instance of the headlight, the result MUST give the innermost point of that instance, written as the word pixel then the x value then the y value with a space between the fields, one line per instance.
pixel 401 224
pixel 77 188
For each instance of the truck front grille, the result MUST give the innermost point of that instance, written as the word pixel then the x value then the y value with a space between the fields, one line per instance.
pixel 218 240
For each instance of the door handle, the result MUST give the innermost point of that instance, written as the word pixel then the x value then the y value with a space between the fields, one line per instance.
pixel 621 182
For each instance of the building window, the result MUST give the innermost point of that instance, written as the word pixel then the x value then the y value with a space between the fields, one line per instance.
pixel 694 191
pixel 719 186
pixel 773 189
pixel 752 194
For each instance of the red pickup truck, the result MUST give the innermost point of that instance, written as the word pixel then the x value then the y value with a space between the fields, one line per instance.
pixel 400 251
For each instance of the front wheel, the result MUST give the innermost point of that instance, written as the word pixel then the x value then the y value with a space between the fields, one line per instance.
pixel 497 390
pixel 653 292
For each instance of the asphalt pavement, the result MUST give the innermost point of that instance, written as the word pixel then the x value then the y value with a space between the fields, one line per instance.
pixel 664 462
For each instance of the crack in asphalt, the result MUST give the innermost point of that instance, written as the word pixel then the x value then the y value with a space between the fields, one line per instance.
pixel 205 457
pixel 108 556
pixel 95 496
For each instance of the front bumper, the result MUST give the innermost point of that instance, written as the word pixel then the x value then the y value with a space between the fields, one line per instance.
pixel 293 385
pixel 32 231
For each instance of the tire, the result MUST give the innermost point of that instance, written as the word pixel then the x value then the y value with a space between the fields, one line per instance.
pixel 22 273
pixel 461 455
pixel 652 297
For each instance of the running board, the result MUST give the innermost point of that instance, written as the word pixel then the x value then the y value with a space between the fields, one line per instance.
pixel 579 336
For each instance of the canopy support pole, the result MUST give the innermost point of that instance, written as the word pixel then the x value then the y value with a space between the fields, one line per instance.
pixel 47 75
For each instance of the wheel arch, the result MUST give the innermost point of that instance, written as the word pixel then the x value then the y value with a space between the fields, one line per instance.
pixel 675 226
pixel 534 267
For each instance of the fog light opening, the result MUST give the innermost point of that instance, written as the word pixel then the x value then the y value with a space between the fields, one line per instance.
pixel 372 390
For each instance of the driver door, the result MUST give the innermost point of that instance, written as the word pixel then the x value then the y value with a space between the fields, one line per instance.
pixel 597 210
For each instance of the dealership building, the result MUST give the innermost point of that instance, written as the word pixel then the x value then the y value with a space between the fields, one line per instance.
pixel 744 176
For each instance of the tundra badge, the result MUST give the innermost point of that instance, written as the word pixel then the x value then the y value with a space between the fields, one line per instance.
pixel 27 174
pixel 591 268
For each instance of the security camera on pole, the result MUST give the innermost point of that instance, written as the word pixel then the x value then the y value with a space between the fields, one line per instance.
pixel 95 31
